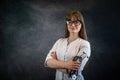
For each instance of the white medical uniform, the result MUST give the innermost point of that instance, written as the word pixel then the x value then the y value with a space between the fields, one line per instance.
pixel 66 52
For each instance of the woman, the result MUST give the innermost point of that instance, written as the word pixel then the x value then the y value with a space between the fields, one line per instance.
pixel 65 49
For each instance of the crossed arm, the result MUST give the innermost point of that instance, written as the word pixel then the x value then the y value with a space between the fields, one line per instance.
pixel 61 65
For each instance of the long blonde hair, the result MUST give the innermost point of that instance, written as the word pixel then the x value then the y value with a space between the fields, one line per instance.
pixel 76 15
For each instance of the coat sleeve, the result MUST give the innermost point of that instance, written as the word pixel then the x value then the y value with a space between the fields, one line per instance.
pixel 53 49
pixel 84 48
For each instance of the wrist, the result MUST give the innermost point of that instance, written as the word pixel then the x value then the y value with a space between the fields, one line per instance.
pixel 65 65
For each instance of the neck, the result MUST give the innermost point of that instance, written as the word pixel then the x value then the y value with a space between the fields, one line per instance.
pixel 72 37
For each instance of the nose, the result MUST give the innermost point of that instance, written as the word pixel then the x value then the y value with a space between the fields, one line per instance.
pixel 73 24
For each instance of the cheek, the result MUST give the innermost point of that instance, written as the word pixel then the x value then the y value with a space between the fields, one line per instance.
pixel 79 27
pixel 68 27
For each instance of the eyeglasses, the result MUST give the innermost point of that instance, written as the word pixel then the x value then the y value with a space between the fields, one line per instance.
pixel 77 22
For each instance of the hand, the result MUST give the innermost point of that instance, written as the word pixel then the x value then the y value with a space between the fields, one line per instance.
pixel 53 54
pixel 72 65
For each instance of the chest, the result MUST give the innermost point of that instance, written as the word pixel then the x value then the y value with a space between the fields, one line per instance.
pixel 66 52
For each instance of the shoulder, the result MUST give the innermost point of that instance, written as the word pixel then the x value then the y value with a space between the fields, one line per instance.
pixel 61 40
pixel 85 42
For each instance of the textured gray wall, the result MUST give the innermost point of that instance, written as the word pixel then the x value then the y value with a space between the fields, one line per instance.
pixel 28 29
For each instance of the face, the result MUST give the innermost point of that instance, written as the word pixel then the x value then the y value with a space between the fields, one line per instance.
pixel 73 26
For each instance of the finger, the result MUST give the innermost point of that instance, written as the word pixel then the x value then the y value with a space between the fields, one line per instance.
pixel 76 67
pixel 76 64
pixel 53 54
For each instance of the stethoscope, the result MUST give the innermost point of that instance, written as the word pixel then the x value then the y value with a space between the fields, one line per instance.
pixel 74 74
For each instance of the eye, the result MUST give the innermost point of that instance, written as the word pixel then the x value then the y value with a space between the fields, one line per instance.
pixel 69 22
pixel 77 22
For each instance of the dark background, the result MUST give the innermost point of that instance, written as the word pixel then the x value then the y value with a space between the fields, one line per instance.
pixel 29 28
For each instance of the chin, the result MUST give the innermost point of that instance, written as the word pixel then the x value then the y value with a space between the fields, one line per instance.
pixel 74 31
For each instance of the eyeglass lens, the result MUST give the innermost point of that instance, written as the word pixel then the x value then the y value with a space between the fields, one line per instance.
pixel 71 22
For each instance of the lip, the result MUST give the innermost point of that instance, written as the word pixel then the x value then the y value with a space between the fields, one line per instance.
pixel 73 28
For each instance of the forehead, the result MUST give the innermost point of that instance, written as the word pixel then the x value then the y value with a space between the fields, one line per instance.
pixel 73 18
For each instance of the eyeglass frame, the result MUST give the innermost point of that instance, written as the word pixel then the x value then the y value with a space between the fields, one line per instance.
pixel 69 22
